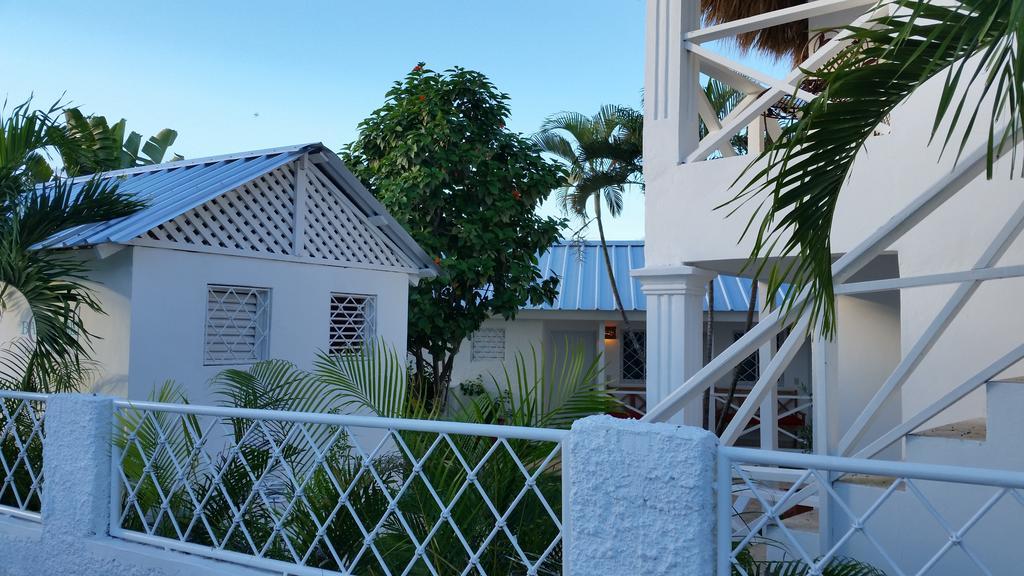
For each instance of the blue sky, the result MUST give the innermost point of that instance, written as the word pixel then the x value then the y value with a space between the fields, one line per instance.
pixel 234 76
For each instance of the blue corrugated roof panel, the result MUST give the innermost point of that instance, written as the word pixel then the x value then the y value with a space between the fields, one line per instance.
pixel 585 284
pixel 171 189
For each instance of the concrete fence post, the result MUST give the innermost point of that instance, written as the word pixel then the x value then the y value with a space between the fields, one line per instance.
pixel 639 499
pixel 76 466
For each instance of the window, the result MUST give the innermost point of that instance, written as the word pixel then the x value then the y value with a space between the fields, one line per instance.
pixel 634 355
pixel 750 369
pixel 353 322
pixel 489 344
pixel 237 325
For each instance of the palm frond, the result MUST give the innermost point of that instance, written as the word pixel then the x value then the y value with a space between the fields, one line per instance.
pixel 797 189
pixel 373 379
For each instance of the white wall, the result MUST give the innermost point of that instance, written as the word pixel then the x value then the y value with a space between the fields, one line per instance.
pixel 168 312
pixel 110 280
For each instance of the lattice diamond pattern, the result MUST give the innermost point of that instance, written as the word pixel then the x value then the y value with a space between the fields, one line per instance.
pixel 634 356
pixel 21 453
pixel 353 322
pixel 343 499
pixel 258 216
pixel 759 506
pixel 336 230
pixel 237 325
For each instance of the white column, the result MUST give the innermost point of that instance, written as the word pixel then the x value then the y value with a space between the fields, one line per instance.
pixel 675 321
pixel 671 77
pixel 824 370
pixel 638 499
pixel 76 466
pixel 769 411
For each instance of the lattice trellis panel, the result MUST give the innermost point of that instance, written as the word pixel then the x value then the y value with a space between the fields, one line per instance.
pixel 353 322
pixel 258 216
pixel 21 452
pixel 237 325
pixel 335 229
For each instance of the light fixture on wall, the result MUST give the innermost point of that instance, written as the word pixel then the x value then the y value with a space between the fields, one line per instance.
pixel 610 332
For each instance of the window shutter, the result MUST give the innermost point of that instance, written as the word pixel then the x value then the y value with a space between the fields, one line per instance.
pixel 353 322
pixel 489 344
pixel 237 325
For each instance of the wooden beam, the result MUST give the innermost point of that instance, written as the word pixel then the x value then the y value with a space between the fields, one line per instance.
pixel 299 227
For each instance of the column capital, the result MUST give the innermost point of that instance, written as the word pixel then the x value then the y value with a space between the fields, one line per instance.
pixel 682 280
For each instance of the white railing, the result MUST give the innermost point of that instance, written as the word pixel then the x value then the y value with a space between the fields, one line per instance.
pixel 21 453
pixel 633 399
pixel 760 92
pixel 903 518
pixel 944 187
pixel 791 407
pixel 304 493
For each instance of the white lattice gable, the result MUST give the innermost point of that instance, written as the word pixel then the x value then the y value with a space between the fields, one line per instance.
pixel 294 211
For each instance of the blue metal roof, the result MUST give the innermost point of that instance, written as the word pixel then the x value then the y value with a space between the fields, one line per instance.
pixel 173 188
pixel 585 284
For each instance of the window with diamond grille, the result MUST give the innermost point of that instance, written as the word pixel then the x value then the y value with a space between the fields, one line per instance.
pixel 237 325
pixel 634 355
pixel 489 344
pixel 750 369
pixel 353 322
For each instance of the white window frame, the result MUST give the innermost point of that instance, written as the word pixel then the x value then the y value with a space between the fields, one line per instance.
pixel 477 354
pixel 336 344
pixel 624 337
pixel 261 345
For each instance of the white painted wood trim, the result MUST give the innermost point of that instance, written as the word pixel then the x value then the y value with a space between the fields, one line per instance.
pixel 973 275
pixel 299 227
pixel 146 243
pixel 774 18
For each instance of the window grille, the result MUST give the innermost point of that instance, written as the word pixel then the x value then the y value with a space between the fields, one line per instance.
pixel 634 355
pixel 353 322
pixel 237 325
pixel 750 369
pixel 489 344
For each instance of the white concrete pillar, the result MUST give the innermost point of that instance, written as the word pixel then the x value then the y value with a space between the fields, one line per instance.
pixel 675 339
pixel 639 499
pixel 76 466
pixel 671 79
pixel 769 410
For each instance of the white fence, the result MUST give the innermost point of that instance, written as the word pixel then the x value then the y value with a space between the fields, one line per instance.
pixel 202 490
pixel 901 518
pixel 21 453
pixel 305 493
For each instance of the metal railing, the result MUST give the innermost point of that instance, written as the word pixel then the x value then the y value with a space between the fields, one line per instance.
pixel 900 517
pixel 304 493
pixel 21 453
pixel 792 415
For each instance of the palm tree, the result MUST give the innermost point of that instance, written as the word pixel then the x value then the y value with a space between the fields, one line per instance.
pixel 602 155
pixel 35 205
pixel 974 44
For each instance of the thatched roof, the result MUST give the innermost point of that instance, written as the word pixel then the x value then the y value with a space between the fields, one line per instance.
pixel 786 41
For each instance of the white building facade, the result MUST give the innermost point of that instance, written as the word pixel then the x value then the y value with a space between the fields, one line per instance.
pixel 274 254
pixel 927 268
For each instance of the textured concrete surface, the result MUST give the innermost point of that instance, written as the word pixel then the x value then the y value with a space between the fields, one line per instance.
pixel 639 499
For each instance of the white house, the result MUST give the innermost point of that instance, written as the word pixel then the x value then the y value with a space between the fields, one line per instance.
pixel 276 253
pixel 927 270
pixel 584 317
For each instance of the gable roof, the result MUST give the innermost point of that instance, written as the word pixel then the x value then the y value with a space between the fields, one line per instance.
pixel 174 188
pixel 585 285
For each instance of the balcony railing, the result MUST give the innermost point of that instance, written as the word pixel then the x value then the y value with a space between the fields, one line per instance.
pixel 21 453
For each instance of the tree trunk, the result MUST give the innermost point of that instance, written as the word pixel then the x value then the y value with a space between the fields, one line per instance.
pixel 751 306
pixel 626 327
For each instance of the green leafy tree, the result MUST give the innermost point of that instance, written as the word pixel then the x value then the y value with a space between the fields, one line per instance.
pixel 438 156
pixel 93 145
pixel 974 44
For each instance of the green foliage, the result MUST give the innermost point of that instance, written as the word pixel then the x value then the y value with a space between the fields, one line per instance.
pixel 796 192
pixel 438 156
pixel 95 146
pixel 372 381
pixel 35 207
pixel 835 567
